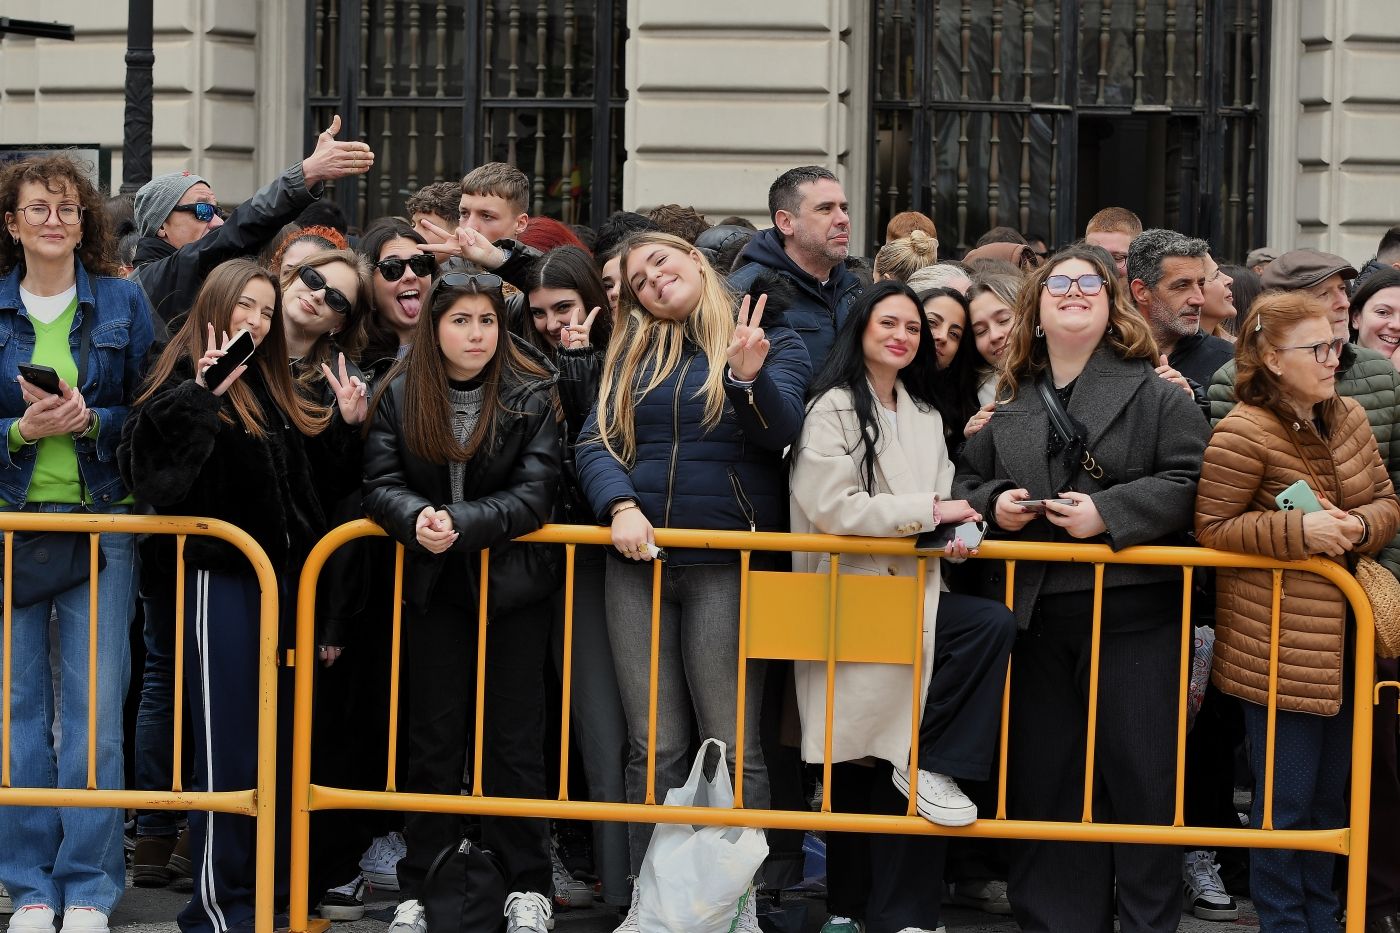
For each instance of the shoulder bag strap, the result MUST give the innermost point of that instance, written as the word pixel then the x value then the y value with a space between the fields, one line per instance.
pixel 1063 426
pixel 84 344
pixel 1307 464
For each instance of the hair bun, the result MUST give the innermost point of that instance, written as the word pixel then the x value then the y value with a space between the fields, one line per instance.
pixel 921 244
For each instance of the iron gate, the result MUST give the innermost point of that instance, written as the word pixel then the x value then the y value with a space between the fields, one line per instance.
pixel 439 86
pixel 1035 113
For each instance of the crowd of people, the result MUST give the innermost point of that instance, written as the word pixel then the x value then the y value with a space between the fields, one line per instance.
pixel 466 373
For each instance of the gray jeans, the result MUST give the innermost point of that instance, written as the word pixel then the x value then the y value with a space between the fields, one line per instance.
pixel 698 672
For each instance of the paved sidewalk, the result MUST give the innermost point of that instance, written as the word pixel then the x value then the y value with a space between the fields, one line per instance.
pixel 147 910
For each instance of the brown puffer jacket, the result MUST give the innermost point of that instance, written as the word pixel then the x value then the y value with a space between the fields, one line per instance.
pixel 1253 457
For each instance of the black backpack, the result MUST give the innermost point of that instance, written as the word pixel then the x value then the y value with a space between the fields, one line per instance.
pixel 464 891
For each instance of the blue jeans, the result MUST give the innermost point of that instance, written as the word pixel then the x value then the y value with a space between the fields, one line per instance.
pixel 69 856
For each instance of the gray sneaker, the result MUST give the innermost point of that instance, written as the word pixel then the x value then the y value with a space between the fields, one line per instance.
pixel 631 923
pixel 528 912
pixel 409 918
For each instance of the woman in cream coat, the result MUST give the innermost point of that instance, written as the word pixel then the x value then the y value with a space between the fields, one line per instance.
pixel 872 461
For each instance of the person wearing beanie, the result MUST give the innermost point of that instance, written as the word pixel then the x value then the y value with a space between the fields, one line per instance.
pixel 184 234
pixel 1369 377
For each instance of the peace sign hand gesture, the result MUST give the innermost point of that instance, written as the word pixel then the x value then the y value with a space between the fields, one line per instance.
pixel 574 336
pixel 748 348
pixel 350 393
pixel 463 242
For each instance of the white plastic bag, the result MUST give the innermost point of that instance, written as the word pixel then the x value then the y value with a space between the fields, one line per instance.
pixel 693 877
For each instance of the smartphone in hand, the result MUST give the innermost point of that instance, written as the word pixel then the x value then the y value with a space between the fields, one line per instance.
pixel 969 533
pixel 1298 496
pixel 1038 505
pixel 239 351
pixel 41 377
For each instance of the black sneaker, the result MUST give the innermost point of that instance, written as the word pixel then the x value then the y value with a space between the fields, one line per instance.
pixel 346 902
pixel 1203 892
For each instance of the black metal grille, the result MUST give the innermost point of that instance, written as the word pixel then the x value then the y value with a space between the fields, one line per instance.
pixel 1035 113
pixel 439 86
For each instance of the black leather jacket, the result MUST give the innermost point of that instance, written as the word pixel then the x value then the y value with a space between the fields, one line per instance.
pixel 509 491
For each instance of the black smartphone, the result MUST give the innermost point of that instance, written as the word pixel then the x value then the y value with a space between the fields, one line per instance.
pixel 41 377
pixel 1038 505
pixel 969 533
pixel 238 352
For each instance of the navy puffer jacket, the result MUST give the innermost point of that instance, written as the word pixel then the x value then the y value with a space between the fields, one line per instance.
pixel 729 477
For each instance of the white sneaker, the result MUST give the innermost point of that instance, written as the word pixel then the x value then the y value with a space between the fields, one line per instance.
pixel 528 912
pixel 940 800
pixel 346 902
pixel 7 906
pixel 84 920
pixel 380 862
pixel 36 918
pixel 747 921
pixel 568 890
pixel 409 918
pixel 1203 891
pixel 631 923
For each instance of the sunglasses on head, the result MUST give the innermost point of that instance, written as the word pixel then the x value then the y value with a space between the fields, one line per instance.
pixel 484 281
pixel 203 211
pixel 335 298
pixel 392 268
pixel 1089 284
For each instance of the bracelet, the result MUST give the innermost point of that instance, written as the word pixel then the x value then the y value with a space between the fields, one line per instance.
pixel 623 508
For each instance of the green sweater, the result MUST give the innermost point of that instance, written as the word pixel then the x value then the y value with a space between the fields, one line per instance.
pixel 56 477
pixel 1364 375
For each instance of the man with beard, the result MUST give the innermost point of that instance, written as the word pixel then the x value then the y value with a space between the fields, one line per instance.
pixel 1167 279
pixel 808 245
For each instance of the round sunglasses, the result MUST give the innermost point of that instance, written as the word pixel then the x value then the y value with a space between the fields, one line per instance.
pixel 335 298
pixel 392 268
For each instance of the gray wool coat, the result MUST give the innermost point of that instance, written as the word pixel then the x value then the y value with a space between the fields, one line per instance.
pixel 1148 435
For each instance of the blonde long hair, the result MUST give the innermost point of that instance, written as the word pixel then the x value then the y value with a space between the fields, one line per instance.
pixel 645 350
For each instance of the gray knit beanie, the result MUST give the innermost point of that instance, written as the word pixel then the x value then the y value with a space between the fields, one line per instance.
pixel 158 197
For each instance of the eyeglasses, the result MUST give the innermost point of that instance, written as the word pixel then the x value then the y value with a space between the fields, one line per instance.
pixel 38 214
pixel 1321 351
pixel 335 298
pixel 203 211
pixel 392 268
pixel 1089 284
pixel 484 281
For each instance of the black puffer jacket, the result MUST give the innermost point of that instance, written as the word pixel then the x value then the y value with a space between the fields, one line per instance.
pixel 172 277
pixel 509 491
pixel 180 457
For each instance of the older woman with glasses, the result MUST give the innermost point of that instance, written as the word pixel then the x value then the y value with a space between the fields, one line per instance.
pixel 1088 444
pixel 76 335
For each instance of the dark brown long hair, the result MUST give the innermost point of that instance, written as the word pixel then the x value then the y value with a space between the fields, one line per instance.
pixel 214 305
pixel 427 411
pixel 97 250
pixel 572 268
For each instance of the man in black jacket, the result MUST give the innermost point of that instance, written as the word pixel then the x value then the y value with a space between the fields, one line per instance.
pixel 184 236
pixel 808 245
pixel 1167 278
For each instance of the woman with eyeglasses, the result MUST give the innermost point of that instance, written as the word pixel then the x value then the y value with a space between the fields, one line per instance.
pixel 253 450
pixel 400 273
pixel 1088 445
pixel 694 412
pixel 463 455
pixel 1291 427
pixel 64 309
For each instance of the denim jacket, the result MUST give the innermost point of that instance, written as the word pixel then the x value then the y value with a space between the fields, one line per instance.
pixel 121 335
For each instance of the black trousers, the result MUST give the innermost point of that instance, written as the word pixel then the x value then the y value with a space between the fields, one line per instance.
pixel 1061 886
pixel 895 881
pixel 441 657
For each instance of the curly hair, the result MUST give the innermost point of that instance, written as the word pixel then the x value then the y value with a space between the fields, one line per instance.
pixel 97 248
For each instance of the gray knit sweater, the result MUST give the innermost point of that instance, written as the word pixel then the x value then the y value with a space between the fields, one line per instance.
pixel 466 408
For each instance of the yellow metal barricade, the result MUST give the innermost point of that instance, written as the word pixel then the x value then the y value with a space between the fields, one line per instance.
pixel 257 802
pixel 801 617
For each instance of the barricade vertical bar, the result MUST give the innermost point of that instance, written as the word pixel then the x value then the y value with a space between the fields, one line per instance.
pixel 93 622
pixel 834 574
pixel 9 643
pixel 177 782
pixel 482 622
pixel 265 853
pixel 1187 653
pixel 1272 708
pixel 1361 739
pixel 568 674
pixel 1006 700
pixel 741 695
pixel 391 769
pixel 652 684
pixel 917 711
pixel 1091 732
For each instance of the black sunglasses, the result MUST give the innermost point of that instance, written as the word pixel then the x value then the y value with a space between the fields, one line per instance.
pixel 484 281
pixel 335 298
pixel 203 211
pixel 392 268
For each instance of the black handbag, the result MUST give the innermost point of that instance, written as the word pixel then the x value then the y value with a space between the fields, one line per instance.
pixel 47 563
pixel 464 891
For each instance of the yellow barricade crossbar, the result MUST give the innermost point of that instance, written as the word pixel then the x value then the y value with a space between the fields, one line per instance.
pixel 258 802
pixel 833 618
